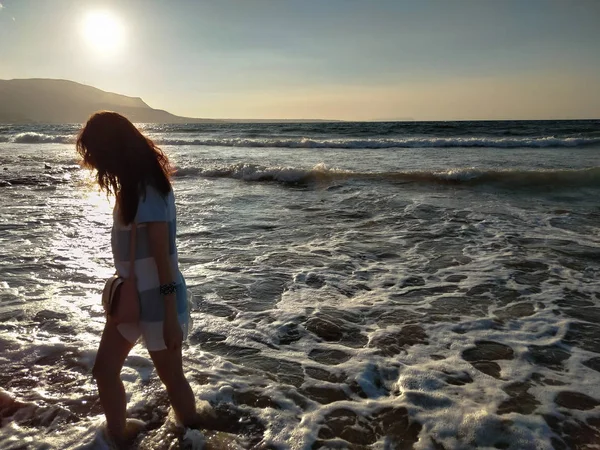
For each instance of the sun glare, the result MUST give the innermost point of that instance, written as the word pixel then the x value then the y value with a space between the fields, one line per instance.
pixel 103 31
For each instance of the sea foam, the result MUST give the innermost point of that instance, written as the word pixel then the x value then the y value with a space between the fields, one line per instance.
pixel 507 178
pixel 340 143
pixel 31 137
pixel 377 143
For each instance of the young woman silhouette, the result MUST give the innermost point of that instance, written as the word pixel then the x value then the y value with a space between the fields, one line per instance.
pixel 133 169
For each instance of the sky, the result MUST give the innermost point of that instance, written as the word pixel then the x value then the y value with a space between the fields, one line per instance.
pixel 319 59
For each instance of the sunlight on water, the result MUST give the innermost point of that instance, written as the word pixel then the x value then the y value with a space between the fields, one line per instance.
pixel 428 297
pixel 99 202
pixel 84 244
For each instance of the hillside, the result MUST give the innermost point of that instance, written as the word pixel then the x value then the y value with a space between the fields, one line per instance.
pixel 63 101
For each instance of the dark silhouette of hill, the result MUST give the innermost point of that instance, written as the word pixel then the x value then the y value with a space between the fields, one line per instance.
pixel 63 101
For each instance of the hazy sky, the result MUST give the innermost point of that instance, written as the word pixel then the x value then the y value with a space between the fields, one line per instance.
pixel 343 59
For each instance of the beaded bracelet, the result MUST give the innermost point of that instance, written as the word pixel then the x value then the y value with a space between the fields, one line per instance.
pixel 167 289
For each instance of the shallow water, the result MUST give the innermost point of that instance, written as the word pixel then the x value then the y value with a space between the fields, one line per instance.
pixel 345 298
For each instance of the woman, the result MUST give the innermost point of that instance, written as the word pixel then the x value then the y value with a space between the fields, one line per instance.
pixel 130 167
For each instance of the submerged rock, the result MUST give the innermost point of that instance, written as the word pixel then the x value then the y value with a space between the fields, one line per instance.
pixel 573 433
pixel 488 351
pixel 520 400
pixel 457 378
pixel 593 363
pixel 488 367
pixel 392 425
pixel 333 329
pixel 315 281
pixel 323 375
pixel 329 356
pixel 550 356
pixel 288 333
pixel 583 335
pixel 516 311
pixel 483 355
pixel 413 281
pixel 325 394
pixel 393 343
pixel 575 400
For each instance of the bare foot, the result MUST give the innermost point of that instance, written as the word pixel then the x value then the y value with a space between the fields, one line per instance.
pixel 133 427
pixel 205 419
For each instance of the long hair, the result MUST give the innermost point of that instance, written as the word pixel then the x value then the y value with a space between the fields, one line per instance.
pixel 125 160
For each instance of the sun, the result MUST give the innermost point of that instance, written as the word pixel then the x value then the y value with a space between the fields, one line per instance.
pixel 103 31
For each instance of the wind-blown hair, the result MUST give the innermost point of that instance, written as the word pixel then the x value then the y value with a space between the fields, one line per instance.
pixel 125 160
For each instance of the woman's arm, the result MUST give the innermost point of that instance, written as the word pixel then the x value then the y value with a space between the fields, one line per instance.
pixel 158 236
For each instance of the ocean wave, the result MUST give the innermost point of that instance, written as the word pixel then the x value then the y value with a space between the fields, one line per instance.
pixel 31 137
pixel 465 176
pixel 251 172
pixel 375 143
pixel 508 178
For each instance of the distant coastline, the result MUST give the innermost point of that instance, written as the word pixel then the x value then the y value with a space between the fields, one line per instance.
pixel 39 100
pixel 52 101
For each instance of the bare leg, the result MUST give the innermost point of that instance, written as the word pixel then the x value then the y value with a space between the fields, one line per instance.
pixel 110 358
pixel 169 366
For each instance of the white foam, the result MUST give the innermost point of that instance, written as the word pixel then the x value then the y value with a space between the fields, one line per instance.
pixel 512 178
pixel 364 244
pixel 31 137
pixel 383 143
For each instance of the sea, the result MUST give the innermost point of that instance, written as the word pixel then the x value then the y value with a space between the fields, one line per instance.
pixel 402 285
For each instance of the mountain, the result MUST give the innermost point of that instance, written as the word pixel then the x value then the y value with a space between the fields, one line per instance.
pixel 62 101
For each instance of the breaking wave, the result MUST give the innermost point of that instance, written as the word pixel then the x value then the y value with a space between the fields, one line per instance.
pixel 340 143
pixel 41 138
pixel 465 176
pixel 375 143
pixel 321 173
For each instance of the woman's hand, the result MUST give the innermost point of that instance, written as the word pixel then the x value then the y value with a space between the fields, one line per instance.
pixel 172 333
